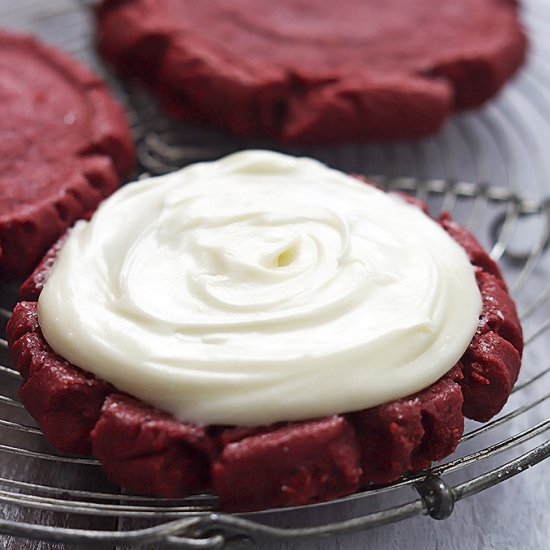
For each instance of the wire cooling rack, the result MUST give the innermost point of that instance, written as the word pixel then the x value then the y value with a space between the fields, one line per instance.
pixel 489 169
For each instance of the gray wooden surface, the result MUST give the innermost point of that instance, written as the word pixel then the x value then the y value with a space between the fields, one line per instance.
pixel 514 515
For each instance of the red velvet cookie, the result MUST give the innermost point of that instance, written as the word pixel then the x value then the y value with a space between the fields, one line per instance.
pixel 64 146
pixel 286 464
pixel 315 71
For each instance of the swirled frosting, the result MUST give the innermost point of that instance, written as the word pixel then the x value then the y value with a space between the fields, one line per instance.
pixel 260 288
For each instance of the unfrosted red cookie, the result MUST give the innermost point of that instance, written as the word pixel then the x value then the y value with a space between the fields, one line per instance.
pixel 286 464
pixel 315 71
pixel 64 146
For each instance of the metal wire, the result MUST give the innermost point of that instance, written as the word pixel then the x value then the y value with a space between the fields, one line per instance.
pixel 475 169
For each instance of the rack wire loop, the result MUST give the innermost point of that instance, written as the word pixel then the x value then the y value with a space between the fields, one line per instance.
pixel 437 496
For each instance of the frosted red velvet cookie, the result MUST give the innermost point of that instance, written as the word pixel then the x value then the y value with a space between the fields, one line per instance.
pixel 284 433
pixel 315 71
pixel 64 146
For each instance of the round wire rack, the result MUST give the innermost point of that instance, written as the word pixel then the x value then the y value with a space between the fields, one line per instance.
pixel 489 169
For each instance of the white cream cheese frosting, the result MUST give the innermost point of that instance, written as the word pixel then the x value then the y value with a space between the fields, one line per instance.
pixel 260 288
